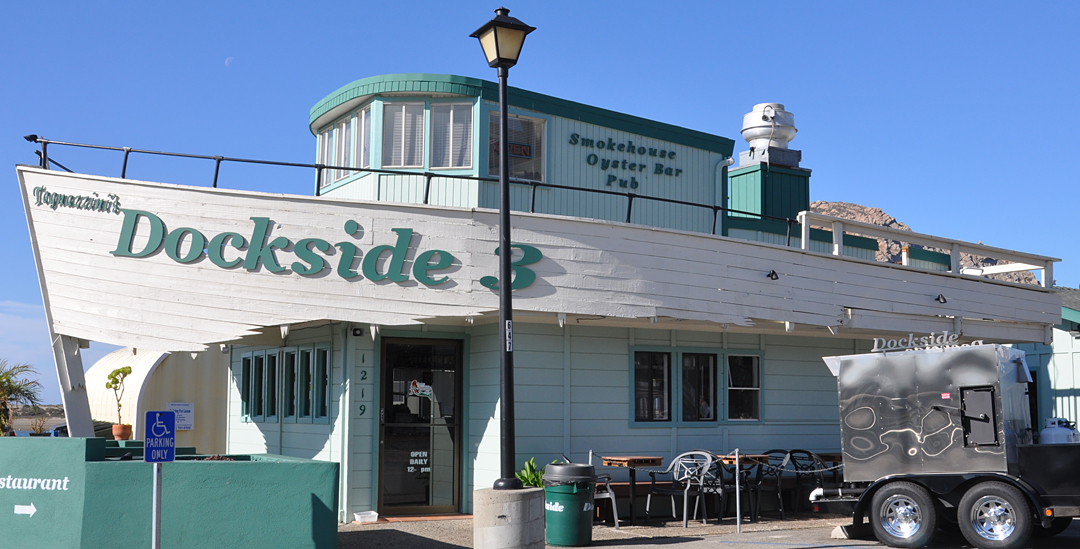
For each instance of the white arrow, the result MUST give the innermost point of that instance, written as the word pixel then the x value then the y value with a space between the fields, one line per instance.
pixel 25 509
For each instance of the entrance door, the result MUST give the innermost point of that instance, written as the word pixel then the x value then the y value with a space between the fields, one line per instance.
pixel 420 427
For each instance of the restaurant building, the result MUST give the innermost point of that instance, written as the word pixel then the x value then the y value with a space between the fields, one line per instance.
pixel 667 296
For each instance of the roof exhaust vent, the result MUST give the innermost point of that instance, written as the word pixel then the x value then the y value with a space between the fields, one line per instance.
pixel 769 129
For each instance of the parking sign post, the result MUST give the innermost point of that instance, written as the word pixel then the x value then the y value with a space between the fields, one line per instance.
pixel 159 445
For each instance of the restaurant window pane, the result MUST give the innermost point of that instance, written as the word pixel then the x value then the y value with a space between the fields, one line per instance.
pixel 698 387
pixel 365 137
pixel 403 135
pixel 744 387
pixel 321 382
pixel 289 384
pixel 526 136
pixel 303 392
pixel 257 387
pixel 271 384
pixel 451 135
pixel 652 386
pixel 245 386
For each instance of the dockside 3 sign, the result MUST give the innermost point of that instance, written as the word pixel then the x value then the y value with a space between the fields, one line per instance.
pixel 187 245
pixel 230 249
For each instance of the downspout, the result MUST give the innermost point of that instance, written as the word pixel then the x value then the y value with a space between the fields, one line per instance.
pixel 344 406
pixel 722 167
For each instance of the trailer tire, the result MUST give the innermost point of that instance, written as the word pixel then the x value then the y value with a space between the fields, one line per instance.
pixel 994 515
pixel 903 515
pixel 1056 527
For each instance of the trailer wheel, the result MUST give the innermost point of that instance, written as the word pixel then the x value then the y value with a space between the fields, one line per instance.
pixel 994 515
pixel 903 515
pixel 1056 527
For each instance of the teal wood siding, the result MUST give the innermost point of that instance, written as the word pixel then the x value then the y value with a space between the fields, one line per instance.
pixel 591 409
pixel 569 164
pixel 1058 368
pixel 854 246
pixel 770 190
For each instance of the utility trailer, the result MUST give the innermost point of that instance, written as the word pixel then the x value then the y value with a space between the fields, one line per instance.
pixel 942 437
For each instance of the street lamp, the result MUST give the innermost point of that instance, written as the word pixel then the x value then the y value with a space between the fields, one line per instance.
pixel 501 39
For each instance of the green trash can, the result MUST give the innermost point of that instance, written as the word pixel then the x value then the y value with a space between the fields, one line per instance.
pixel 568 503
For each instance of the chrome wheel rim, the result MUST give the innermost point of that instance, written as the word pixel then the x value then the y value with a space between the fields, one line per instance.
pixel 901 516
pixel 992 518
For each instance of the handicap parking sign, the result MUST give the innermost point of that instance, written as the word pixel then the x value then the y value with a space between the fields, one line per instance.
pixel 160 442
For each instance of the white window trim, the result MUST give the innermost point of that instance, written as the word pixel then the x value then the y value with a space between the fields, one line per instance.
pixel 431 132
pixel 423 138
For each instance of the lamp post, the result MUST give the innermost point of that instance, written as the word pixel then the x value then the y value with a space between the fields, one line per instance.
pixel 502 38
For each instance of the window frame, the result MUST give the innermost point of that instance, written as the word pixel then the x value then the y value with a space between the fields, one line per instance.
pixel 721 381
pixel 331 150
pixel 728 388
pixel 469 139
pixel 263 377
pixel 387 147
pixel 256 394
pixel 493 117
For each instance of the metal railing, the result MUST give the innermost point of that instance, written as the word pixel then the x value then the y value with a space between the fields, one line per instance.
pixel 320 170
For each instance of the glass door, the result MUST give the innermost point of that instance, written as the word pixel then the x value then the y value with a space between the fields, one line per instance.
pixel 420 427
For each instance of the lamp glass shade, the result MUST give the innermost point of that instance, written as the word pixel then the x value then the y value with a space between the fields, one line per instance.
pixel 491 49
pixel 509 42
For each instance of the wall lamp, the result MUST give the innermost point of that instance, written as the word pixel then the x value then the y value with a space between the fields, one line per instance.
pixel 941 299
pixel 773 276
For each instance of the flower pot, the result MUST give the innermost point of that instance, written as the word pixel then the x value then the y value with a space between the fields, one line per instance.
pixel 121 432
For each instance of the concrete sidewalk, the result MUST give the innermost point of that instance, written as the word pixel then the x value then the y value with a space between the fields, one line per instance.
pixel 802 531
pixel 443 534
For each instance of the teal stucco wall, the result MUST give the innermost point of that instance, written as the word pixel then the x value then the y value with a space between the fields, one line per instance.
pixel 256 501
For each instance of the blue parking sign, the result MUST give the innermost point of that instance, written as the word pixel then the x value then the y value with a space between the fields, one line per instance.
pixel 160 442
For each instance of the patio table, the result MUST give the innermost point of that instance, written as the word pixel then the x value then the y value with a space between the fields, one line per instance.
pixel 632 463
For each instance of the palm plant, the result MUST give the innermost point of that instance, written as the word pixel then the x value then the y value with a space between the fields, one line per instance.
pixel 15 388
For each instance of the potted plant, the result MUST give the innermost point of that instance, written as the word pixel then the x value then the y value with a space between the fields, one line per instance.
pixel 120 431
pixel 37 425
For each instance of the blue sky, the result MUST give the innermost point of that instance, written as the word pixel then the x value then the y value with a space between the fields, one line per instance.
pixel 957 118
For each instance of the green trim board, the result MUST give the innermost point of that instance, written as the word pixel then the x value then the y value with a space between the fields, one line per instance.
pixel 923 254
pixel 1070 314
pixel 422 84
pixel 774 226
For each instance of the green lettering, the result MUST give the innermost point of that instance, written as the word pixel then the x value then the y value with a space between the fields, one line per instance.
pixel 659 169
pixel 522 277
pixel 573 139
pixel 348 254
pixel 305 253
pixel 671 154
pixel 611 179
pixel 423 264
pixel 261 250
pixel 216 249
pixel 175 238
pixel 397 258
pixel 127 234
pixel 587 142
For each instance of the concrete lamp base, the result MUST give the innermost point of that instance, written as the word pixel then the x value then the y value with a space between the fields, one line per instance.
pixel 508 518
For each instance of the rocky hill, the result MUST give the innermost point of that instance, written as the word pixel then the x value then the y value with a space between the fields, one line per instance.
pixel 889 250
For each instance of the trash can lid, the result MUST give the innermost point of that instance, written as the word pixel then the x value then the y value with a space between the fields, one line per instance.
pixel 569 472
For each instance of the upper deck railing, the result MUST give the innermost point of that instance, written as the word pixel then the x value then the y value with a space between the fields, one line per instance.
pixel 1019 261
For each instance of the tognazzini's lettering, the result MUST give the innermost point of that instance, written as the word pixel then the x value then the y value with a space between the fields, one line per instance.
pixel 13 483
